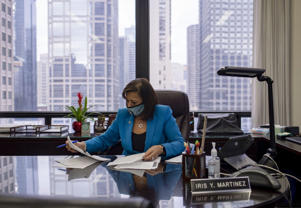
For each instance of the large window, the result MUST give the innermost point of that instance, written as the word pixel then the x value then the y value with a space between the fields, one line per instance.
pixel 191 41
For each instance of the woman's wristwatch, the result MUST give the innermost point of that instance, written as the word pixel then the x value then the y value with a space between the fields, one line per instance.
pixel 164 151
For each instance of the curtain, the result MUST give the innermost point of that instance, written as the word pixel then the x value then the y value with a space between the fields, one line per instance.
pixel 271 51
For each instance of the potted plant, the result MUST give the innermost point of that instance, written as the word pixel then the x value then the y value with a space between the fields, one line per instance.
pixel 79 113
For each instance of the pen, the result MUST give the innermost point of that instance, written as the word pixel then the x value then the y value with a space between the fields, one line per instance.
pixel 63 145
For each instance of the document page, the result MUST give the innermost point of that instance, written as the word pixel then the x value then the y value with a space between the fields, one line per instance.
pixel 140 165
pixel 77 162
pixel 95 157
pixel 176 159
pixel 127 159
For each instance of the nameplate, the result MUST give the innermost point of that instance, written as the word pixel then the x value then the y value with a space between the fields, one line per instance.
pixel 220 185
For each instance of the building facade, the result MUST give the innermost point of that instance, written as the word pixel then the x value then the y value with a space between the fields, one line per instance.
pixel 160 44
pixel 193 67
pixel 82 53
pixel 225 40
pixel 6 57
pixel 25 52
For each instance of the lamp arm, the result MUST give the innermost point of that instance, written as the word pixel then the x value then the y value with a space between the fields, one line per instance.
pixel 272 150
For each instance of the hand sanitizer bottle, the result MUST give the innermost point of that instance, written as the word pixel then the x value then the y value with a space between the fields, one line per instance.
pixel 214 164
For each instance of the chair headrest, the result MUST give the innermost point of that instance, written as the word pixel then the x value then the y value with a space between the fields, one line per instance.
pixel 177 100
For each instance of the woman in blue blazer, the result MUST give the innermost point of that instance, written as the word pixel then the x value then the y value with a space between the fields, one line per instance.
pixel 144 126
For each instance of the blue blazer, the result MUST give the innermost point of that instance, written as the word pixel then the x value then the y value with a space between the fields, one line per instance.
pixel 161 129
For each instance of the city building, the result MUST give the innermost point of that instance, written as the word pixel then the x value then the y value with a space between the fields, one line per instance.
pixel 83 52
pixel 43 83
pixel 193 67
pixel 160 44
pixel 25 49
pixel 6 57
pixel 225 40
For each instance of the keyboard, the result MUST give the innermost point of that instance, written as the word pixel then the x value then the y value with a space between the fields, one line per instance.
pixel 294 139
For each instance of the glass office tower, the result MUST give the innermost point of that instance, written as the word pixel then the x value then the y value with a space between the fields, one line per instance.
pixel 25 52
pixel 82 51
pixel 225 34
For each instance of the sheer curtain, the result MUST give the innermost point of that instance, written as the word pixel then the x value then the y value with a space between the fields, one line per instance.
pixel 272 52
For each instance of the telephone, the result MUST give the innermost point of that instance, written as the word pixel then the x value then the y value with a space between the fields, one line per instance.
pixel 258 177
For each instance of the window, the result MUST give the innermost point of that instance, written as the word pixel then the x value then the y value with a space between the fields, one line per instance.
pixel 3 65
pixel 3 7
pixel 3 22
pixel 3 36
pixel 4 80
pixel 3 51
pixel 4 95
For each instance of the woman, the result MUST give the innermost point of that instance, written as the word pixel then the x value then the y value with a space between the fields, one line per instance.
pixel 144 126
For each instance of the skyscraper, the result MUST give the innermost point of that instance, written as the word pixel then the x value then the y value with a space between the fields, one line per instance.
pixel 160 50
pixel 6 58
pixel 25 50
pixel 7 176
pixel 83 50
pixel 193 67
pixel 127 60
pixel 43 83
pixel 225 39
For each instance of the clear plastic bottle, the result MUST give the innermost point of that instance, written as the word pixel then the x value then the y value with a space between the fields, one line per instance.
pixel 214 164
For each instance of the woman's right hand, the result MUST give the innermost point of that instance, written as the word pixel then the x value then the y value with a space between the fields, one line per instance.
pixel 81 145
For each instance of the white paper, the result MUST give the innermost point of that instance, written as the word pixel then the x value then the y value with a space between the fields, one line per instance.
pixel 139 173
pixel 127 159
pixel 73 146
pixel 77 162
pixel 76 173
pixel 140 165
pixel 177 159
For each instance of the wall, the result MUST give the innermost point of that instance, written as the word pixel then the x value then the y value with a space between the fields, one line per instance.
pixel 296 63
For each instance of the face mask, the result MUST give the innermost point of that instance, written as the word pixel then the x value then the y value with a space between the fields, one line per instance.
pixel 136 110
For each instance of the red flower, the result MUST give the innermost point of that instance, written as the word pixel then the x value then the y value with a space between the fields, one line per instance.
pixel 80 97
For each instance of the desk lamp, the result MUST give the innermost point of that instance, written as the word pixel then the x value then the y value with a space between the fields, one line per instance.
pixel 251 73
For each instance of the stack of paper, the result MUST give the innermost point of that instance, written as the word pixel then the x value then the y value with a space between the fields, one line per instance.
pixel 135 162
pixel 80 162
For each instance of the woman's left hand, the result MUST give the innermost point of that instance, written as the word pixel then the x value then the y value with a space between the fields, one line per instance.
pixel 153 152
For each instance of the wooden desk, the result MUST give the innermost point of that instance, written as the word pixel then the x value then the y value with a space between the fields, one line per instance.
pixel 162 188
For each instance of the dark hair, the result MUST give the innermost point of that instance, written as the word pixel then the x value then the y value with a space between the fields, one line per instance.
pixel 146 92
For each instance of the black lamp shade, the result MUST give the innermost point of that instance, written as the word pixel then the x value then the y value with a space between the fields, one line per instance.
pixel 240 71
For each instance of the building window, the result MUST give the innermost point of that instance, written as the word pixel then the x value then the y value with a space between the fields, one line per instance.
pixel 3 22
pixel 9 81
pixel 9 24
pixel 4 80
pixel 9 53
pixel 9 38
pixel 4 95
pixel 3 51
pixel 9 66
pixel 3 36
pixel 3 7
pixel 3 65
pixel 9 11
pixel 10 95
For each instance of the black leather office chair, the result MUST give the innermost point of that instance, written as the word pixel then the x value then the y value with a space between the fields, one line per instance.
pixel 19 201
pixel 179 103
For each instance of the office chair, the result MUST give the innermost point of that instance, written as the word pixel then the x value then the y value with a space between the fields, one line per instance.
pixel 179 103
pixel 22 201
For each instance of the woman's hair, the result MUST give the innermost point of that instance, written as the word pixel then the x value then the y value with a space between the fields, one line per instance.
pixel 146 92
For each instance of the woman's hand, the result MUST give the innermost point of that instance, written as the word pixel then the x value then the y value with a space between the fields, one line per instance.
pixel 81 145
pixel 153 152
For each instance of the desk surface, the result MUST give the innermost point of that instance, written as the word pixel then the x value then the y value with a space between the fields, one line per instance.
pixel 39 175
